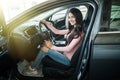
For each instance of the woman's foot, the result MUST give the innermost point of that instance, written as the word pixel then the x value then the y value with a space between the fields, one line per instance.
pixel 30 71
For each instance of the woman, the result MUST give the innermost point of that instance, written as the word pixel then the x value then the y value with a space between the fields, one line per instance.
pixel 73 35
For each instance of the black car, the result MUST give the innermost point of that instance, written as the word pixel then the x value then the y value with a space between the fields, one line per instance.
pixel 98 57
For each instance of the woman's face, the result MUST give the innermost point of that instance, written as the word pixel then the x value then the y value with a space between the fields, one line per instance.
pixel 71 19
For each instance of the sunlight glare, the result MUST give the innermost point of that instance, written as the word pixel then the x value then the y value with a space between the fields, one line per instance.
pixel 11 8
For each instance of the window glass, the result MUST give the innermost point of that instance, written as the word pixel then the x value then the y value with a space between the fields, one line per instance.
pixel 115 18
pixel 12 8
pixel 110 20
pixel 62 14
pixel 84 10
pixel 59 15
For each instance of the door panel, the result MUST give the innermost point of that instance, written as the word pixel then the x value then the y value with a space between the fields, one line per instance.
pixel 105 59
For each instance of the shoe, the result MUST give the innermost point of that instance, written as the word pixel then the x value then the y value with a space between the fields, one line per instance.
pixel 28 71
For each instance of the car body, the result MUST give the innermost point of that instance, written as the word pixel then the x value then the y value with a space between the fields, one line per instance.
pixel 99 57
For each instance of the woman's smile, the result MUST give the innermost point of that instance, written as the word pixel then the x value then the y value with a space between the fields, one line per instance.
pixel 72 19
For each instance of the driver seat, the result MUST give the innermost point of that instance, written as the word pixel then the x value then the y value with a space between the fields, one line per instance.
pixel 55 69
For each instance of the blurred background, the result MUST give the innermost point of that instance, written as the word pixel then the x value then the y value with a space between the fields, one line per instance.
pixel 11 8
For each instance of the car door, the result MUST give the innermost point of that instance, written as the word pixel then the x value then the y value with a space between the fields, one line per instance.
pixel 2 33
pixel 105 53
pixel 5 59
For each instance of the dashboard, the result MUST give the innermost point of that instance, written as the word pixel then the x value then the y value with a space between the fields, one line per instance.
pixel 31 31
pixel 25 40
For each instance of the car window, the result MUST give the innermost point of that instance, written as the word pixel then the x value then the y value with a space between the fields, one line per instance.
pixel 110 17
pixel 16 7
pixel 59 15
pixel 62 13
pixel 115 18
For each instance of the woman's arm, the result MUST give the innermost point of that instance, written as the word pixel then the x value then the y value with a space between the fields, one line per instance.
pixel 53 29
pixel 69 47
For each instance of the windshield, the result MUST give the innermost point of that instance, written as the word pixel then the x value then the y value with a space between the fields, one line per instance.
pixel 12 8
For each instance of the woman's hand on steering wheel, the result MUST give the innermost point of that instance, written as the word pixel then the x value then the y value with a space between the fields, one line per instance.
pixel 43 27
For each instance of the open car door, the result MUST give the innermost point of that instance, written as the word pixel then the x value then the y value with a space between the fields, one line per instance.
pixel 5 59
pixel 2 22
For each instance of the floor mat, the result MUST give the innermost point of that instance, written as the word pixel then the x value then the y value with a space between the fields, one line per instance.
pixel 22 65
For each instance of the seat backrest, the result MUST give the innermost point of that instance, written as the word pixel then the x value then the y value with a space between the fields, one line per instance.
pixel 75 57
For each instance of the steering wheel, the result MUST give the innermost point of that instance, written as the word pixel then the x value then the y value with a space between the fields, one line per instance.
pixel 43 27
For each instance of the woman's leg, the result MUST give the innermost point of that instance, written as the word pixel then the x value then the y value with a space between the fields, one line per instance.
pixel 36 63
pixel 34 68
pixel 59 57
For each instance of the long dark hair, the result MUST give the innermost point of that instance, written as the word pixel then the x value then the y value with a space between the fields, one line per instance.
pixel 79 22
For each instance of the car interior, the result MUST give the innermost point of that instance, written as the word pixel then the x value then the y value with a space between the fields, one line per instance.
pixel 24 40
pixel 23 45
